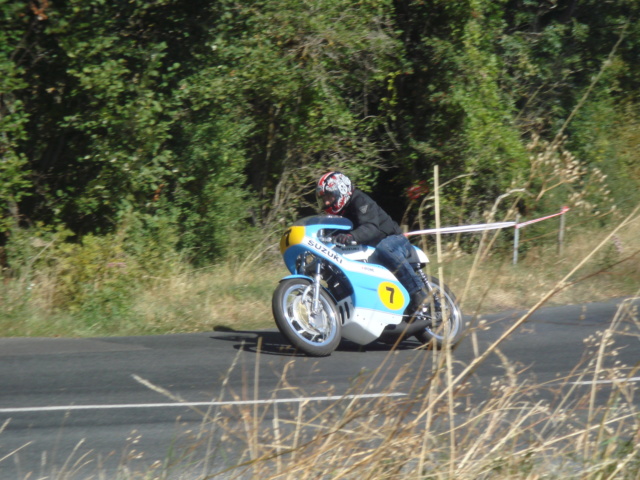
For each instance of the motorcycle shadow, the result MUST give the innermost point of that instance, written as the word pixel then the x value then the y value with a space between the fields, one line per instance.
pixel 272 342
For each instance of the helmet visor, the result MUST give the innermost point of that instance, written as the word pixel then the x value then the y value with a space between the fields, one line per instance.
pixel 325 199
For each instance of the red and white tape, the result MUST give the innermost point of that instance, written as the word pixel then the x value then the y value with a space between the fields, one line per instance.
pixel 463 228
pixel 483 226
pixel 529 222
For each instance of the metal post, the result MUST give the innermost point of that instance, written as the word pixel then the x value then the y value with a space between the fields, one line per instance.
pixel 561 235
pixel 516 241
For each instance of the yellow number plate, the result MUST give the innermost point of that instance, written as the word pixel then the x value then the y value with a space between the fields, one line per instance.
pixel 391 295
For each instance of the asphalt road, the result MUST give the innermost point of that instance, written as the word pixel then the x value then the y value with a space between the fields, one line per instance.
pixel 94 405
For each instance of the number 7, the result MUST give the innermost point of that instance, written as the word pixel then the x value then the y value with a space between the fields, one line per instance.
pixel 391 291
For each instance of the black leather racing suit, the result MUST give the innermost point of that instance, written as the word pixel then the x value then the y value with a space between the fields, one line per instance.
pixel 370 222
pixel 373 226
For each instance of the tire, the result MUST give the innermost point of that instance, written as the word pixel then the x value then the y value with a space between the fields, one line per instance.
pixel 316 335
pixel 441 332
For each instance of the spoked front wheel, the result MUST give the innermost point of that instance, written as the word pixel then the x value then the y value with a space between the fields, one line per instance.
pixel 315 332
pixel 444 314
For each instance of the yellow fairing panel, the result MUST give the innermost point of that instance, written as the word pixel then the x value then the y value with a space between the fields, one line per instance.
pixel 292 236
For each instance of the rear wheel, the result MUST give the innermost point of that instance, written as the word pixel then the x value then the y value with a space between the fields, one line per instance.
pixel 316 333
pixel 444 313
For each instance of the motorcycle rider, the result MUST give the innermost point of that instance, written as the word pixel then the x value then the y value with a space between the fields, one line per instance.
pixel 371 226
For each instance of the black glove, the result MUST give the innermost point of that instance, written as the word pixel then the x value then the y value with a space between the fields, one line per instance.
pixel 344 238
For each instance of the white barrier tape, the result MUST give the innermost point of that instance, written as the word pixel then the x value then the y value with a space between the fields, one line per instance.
pixel 464 228
pixel 483 226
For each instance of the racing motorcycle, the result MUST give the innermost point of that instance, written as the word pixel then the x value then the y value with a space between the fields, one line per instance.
pixel 334 292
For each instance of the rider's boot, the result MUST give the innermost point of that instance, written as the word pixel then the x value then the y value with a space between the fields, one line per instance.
pixel 417 307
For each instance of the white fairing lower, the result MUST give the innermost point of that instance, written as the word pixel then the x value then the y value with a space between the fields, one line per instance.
pixel 366 325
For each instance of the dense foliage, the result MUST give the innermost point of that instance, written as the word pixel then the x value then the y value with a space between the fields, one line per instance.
pixel 179 124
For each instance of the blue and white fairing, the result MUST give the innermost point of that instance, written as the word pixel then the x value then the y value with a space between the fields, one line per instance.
pixel 375 297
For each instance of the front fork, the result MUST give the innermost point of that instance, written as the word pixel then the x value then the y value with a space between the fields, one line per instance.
pixel 316 288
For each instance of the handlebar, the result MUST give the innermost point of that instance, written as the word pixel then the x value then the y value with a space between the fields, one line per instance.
pixel 332 240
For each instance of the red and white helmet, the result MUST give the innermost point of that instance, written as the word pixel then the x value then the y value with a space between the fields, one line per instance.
pixel 333 191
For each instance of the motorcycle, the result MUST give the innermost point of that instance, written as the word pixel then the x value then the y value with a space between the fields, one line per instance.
pixel 334 292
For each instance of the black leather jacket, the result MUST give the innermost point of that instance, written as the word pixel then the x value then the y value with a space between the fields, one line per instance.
pixel 370 222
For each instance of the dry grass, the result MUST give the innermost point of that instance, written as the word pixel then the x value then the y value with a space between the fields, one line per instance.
pixel 238 296
pixel 437 431
pixel 613 271
pixel 225 295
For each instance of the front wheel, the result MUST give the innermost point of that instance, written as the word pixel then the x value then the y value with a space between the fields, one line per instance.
pixel 444 314
pixel 317 333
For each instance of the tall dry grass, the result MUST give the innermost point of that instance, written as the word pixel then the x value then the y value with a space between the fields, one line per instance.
pixel 437 430
pixel 495 283
pixel 584 426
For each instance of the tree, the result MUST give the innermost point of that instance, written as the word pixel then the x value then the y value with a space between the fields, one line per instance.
pixel 14 169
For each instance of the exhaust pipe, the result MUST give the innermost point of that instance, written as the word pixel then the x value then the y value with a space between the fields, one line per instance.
pixel 405 329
